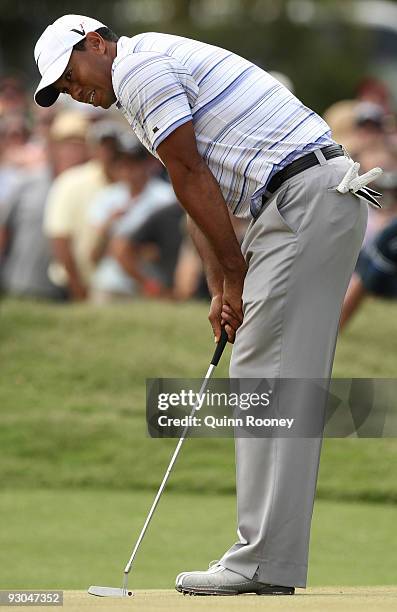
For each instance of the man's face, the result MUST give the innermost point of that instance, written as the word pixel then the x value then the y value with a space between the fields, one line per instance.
pixel 87 77
pixel 133 170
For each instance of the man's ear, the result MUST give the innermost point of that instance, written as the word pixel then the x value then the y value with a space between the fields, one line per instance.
pixel 95 43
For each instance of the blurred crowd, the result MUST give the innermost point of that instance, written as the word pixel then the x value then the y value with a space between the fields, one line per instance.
pixel 87 214
pixel 366 127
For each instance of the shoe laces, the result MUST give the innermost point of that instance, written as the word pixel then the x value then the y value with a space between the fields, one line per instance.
pixel 212 563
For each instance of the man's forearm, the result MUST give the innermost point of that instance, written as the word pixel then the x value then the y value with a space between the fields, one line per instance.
pixel 124 252
pixel 101 243
pixel 200 195
pixel 212 267
pixel 63 253
pixel 353 298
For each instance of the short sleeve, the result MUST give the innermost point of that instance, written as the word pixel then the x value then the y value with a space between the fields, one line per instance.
pixel 156 93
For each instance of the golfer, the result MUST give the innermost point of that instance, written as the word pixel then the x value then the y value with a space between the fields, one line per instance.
pixel 235 141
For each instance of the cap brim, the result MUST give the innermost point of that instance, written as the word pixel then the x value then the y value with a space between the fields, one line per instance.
pixel 46 94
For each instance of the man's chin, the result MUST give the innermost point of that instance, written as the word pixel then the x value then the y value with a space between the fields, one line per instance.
pixel 107 103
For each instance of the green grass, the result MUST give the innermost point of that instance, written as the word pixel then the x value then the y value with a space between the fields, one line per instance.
pixel 77 471
pixel 71 539
pixel 73 394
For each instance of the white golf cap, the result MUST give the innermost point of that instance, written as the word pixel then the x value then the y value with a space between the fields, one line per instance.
pixel 53 50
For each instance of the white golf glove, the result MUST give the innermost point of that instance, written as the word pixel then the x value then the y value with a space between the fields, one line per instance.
pixel 357 185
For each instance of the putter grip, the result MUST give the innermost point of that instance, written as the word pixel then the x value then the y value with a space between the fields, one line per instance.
pixel 220 347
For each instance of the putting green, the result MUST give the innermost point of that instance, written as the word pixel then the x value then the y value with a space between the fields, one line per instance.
pixel 325 599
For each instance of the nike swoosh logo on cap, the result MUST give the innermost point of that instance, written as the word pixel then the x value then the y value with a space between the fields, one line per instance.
pixel 78 31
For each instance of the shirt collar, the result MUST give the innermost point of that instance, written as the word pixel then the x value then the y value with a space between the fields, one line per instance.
pixel 120 47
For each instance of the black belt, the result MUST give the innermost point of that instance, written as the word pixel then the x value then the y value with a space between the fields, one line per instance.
pixel 299 165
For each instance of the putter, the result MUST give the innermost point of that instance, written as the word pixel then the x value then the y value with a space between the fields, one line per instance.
pixel 100 591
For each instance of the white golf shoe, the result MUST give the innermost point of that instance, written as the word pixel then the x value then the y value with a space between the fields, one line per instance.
pixel 218 580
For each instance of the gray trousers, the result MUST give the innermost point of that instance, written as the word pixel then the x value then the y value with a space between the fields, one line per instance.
pixel 301 252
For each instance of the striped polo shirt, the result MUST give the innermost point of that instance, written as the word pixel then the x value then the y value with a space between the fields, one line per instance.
pixel 248 126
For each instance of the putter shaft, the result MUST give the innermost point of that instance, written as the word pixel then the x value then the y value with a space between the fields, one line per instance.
pixel 214 362
pixel 166 476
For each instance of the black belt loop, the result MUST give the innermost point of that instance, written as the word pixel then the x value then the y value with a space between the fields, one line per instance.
pixel 315 158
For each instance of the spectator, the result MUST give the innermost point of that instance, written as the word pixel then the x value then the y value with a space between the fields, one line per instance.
pixel 386 184
pixel 13 96
pixel 24 250
pixel 68 140
pixel 341 117
pixel 125 218
pixel 376 272
pixel 162 229
pixel 42 120
pixel 370 128
pixel 9 172
pixel 66 220
pixel 18 150
pixel 360 126
pixel 189 275
pixel 374 90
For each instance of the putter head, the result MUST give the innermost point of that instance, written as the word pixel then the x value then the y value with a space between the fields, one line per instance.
pixel 100 591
